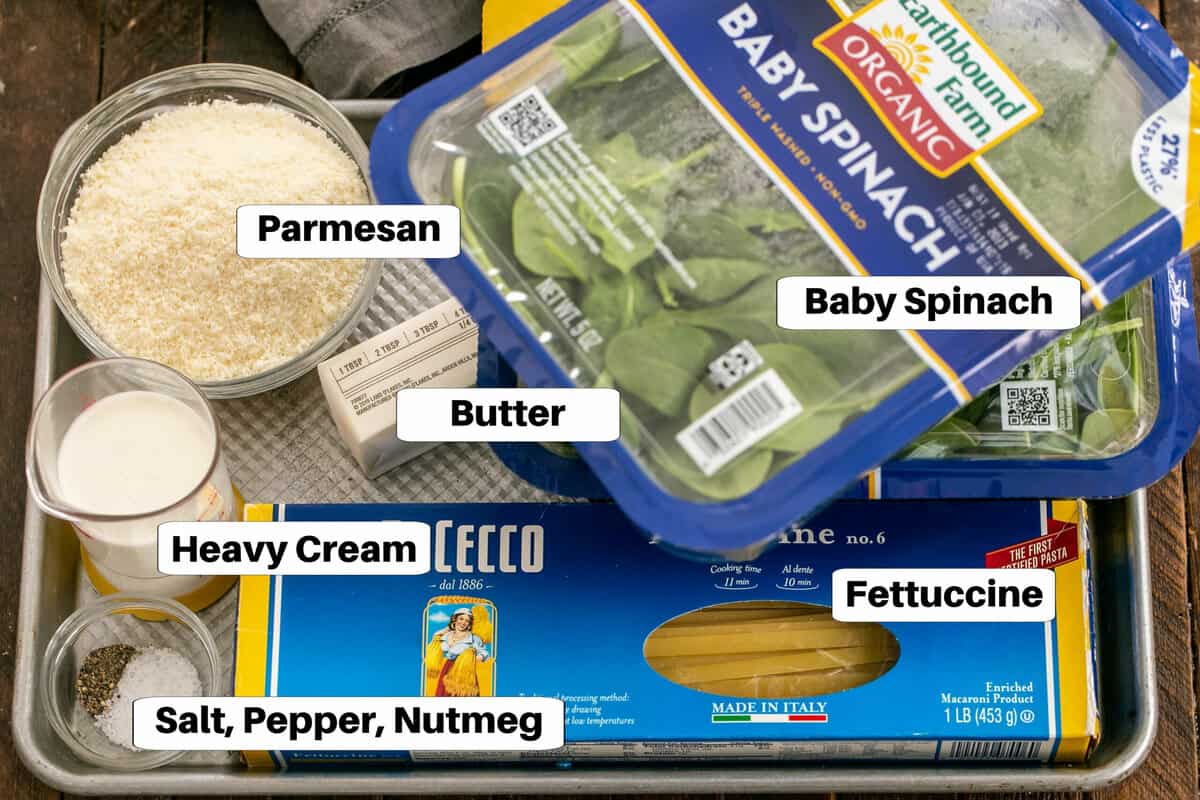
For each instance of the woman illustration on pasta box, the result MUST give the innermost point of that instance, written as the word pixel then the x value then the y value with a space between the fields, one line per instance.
pixel 460 640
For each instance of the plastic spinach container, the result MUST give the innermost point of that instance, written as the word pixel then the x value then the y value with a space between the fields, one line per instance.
pixel 1107 409
pixel 635 177
pixel 1125 409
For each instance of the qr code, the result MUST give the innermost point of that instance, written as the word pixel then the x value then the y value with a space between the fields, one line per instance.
pixel 1029 405
pixel 527 121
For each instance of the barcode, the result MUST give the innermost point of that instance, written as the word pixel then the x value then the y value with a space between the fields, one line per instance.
pixel 970 750
pixel 755 411
pixel 1029 406
pixel 527 121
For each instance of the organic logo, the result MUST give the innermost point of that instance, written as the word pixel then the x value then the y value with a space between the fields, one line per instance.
pixel 942 92
pixel 906 49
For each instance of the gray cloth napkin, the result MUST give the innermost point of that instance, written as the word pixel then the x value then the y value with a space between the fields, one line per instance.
pixel 349 47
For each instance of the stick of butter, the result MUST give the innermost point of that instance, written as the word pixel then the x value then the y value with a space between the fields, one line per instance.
pixel 435 349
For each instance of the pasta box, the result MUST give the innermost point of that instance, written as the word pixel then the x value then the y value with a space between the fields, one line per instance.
pixel 870 633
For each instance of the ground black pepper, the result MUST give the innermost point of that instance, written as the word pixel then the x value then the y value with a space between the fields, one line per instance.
pixel 99 675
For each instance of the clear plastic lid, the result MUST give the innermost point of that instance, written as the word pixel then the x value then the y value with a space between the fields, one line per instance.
pixel 616 217
pixel 1093 394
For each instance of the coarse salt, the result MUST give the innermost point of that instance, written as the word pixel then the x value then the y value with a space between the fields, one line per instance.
pixel 153 672
pixel 149 252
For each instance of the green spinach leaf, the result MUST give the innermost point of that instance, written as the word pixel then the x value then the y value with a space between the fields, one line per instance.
pixel 716 279
pixel 541 248
pixel 715 235
pixel 583 46
pixel 485 192
pixel 626 242
pixel 660 364
pixel 736 479
pixel 1102 429
pixel 623 67
pixel 769 220
pixel 616 302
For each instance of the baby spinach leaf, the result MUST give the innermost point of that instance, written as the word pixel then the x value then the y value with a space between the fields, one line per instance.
pixel 769 220
pixel 616 302
pixel 716 279
pixel 1116 384
pixel 948 437
pixel 751 315
pixel 1102 429
pixel 623 67
pixel 587 43
pixel 852 355
pixel 660 364
pixel 541 249
pixel 626 244
pixel 620 161
pixel 715 235
pixel 597 113
pixel 485 192
pixel 631 420
pixel 736 479
pixel 646 183
pixel 871 358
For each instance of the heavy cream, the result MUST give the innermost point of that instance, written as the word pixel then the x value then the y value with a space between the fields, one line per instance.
pixel 142 455
pixel 134 453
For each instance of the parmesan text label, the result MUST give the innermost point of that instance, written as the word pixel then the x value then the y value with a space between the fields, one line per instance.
pixel 360 231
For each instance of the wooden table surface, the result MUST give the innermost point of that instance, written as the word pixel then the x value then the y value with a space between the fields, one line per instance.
pixel 59 57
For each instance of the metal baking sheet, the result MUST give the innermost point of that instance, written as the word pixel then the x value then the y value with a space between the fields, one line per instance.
pixel 282 447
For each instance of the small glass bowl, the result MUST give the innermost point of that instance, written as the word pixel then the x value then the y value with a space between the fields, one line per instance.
pixel 123 112
pixel 119 619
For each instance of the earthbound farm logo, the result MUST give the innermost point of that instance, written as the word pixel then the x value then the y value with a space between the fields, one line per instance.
pixel 944 95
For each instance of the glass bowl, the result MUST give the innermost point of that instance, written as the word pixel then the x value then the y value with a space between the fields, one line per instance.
pixel 119 619
pixel 122 113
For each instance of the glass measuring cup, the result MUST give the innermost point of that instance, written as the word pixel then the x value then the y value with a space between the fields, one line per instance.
pixel 120 544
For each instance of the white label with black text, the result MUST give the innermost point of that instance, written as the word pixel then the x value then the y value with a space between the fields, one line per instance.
pixel 738 362
pixel 294 548
pixel 740 421
pixel 348 723
pixel 929 303
pixel 943 595
pixel 508 415
pixel 334 231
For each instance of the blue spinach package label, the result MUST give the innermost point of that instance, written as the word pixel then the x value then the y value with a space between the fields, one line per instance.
pixel 635 176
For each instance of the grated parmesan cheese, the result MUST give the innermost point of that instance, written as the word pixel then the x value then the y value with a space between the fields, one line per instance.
pixel 150 253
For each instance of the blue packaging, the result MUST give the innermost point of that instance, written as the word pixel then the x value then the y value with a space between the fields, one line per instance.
pixel 658 658
pixel 634 177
